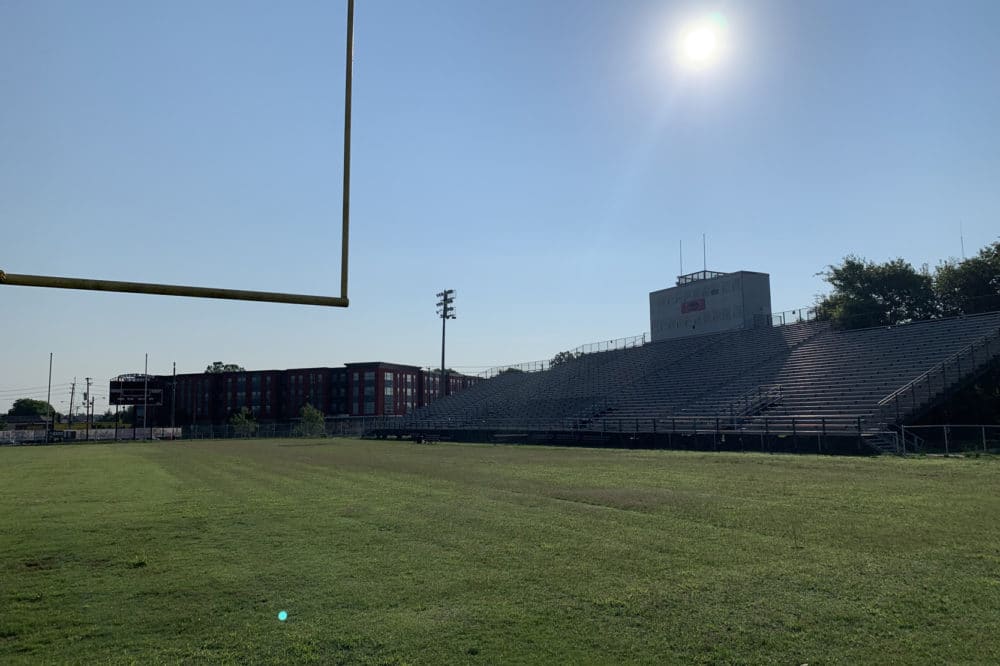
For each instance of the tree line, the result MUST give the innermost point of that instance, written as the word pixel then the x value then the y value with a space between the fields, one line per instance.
pixel 865 293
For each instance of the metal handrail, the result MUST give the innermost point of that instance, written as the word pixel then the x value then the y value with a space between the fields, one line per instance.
pixel 985 340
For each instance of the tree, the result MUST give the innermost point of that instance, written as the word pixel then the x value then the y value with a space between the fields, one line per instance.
pixel 243 423
pixel 29 407
pixel 564 357
pixel 312 423
pixel 869 294
pixel 972 285
pixel 3 424
pixel 219 366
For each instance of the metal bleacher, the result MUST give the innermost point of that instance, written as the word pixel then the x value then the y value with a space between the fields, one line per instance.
pixel 804 377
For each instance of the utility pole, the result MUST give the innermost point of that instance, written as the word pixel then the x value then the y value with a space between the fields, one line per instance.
pixel 173 400
pixel 86 407
pixel 446 311
pixel 145 391
pixel 72 393
pixel 49 401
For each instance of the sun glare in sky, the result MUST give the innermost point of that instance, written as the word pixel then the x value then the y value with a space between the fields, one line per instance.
pixel 702 42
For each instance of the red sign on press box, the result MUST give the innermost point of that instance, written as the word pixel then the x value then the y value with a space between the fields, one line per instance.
pixel 693 306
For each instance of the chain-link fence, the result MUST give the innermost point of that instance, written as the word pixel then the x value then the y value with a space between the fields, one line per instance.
pixel 15 437
pixel 948 439
pixel 332 427
pixel 346 427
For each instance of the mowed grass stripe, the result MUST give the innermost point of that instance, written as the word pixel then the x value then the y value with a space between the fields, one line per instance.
pixel 396 553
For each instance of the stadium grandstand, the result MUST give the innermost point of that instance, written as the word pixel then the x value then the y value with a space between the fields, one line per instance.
pixel 753 382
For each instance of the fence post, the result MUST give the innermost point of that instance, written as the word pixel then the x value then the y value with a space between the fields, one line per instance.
pixel 983 428
pixel 945 428
pixel 903 428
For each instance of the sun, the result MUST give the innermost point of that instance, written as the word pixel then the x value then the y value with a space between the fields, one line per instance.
pixel 702 42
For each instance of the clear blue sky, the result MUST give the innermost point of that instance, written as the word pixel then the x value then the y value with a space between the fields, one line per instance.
pixel 542 157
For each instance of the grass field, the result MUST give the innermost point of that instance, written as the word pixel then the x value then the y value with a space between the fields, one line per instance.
pixel 391 553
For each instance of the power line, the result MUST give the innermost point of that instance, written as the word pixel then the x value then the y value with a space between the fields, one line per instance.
pixel 32 388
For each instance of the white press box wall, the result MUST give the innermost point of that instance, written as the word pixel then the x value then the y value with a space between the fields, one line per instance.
pixel 728 302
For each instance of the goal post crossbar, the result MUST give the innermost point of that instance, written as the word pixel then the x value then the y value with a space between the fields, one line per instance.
pixel 16 279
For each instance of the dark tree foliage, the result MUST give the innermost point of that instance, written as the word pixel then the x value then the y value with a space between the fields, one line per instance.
pixel 243 423
pixel 29 407
pixel 970 286
pixel 563 357
pixel 870 294
pixel 219 366
pixel 312 423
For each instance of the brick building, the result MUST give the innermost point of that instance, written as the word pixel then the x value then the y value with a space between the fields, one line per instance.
pixel 357 389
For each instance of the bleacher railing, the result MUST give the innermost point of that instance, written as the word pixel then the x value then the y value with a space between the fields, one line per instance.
pixel 589 348
pixel 760 321
pixel 612 345
pixel 785 318
pixel 720 424
pixel 530 366
pixel 753 402
pixel 936 381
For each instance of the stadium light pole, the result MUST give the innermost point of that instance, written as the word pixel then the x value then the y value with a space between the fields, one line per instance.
pixel 446 310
